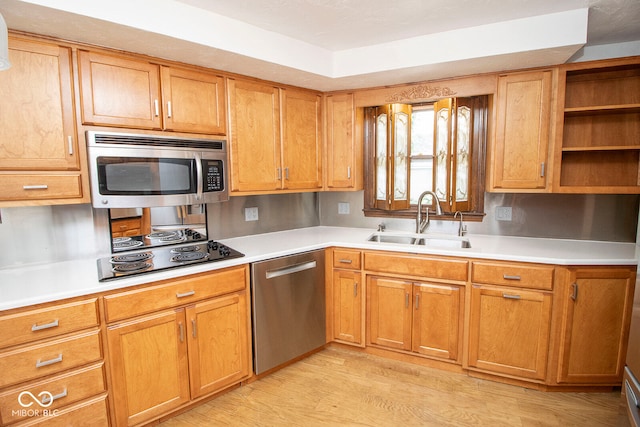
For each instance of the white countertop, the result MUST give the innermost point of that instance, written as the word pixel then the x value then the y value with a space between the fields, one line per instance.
pixel 33 284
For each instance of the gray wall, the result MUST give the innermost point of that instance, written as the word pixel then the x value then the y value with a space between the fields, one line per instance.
pixel 32 235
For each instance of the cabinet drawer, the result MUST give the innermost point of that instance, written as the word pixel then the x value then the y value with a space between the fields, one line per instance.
pixel 47 322
pixel 90 413
pixel 124 225
pixel 344 258
pixel 511 274
pixel 65 389
pixel 35 361
pixel 35 187
pixel 170 293
pixel 424 267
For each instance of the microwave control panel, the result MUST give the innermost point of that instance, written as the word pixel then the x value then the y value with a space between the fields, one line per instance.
pixel 213 175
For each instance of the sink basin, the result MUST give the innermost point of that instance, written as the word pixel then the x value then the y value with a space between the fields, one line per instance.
pixel 421 240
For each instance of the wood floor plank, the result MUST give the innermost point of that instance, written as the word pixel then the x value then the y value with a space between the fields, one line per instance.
pixel 338 387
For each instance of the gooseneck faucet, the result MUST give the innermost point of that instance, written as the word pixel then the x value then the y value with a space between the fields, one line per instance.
pixel 462 229
pixel 421 224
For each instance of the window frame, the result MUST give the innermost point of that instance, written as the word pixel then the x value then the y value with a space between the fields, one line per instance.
pixel 478 164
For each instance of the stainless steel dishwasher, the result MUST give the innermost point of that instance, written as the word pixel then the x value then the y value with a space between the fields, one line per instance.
pixel 288 308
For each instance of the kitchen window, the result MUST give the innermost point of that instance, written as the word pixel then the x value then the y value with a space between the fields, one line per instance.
pixel 437 146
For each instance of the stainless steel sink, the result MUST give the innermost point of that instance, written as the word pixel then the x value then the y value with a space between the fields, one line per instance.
pixel 421 240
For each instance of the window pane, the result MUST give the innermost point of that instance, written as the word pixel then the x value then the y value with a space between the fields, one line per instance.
pixel 422 132
pixel 463 154
pixel 442 154
pixel 381 157
pixel 401 156
pixel 421 178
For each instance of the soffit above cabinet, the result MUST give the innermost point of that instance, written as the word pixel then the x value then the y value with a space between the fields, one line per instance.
pixel 337 45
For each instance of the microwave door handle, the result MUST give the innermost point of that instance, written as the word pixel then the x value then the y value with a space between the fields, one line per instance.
pixel 199 176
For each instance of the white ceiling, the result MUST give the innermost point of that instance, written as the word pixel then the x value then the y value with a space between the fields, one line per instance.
pixel 338 44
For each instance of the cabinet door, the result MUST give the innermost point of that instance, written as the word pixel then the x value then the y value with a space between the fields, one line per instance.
pixel 255 136
pixel 597 310
pixel 509 331
pixel 301 140
pixel 149 366
pixel 219 354
pixel 347 306
pixel 193 101
pixel 521 147
pixel 389 312
pixel 36 109
pixel 117 91
pixel 437 320
pixel 344 153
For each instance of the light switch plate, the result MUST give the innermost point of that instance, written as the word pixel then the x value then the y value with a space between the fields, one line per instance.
pixel 250 214
pixel 503 213
pixel 343 208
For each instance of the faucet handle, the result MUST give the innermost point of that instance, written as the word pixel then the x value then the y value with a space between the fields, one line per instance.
pixel 381 227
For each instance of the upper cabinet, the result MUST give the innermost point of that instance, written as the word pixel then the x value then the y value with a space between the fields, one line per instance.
pixel 344 153
pixel 519 152
pixel 275 138
pixel 40 159
pixel 598 149
pixel 125 92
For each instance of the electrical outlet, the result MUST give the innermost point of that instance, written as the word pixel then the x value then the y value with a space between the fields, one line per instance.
pixel 250 214
pixel 343 208
pixel 503 213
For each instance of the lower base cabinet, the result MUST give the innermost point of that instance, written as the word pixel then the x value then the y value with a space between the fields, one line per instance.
pixel 163 360
pixel 509 331
pixel 424 318
pixel 596 308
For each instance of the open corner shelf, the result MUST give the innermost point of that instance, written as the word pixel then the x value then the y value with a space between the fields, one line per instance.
pixel 601 133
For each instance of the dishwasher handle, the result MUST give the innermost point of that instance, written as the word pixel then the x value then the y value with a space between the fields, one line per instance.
pixel 290 269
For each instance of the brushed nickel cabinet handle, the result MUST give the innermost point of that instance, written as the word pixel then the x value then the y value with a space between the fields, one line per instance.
pixel 70 142
pixel 181 328
pixel 574 291
pixel 346 261
pixel 348 172
pixel 509 277
pixel 35 187
pixel 355 289
pixel 47 398
pixel 193 326
pixel 286 174
pixel 417 301
pixel 168 109
pixel 509 296
pixel 41 364
pixel 185 294
pixel 49 325
pixel 156 107
pixel 406 300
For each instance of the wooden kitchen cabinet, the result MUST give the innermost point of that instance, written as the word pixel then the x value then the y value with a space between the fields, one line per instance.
pixel 40 159
pixel 344 149
pixel 596 312
pixel 123 91
pixel 195 342
pixel 275 138
pixel 598 145
pixel 155 349
pixel 54 348
pixel 519 152
pixel 219 343
pixel 348 297
pixel 425 318
pixel 509 326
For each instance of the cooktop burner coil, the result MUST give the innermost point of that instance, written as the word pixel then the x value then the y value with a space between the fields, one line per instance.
pixel 130 267
pixel 131 258
pixel 190 256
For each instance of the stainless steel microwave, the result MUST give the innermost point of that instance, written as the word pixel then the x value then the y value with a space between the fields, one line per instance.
pixel 137 170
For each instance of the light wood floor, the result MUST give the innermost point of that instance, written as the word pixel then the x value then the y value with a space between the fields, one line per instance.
pixel 338 387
